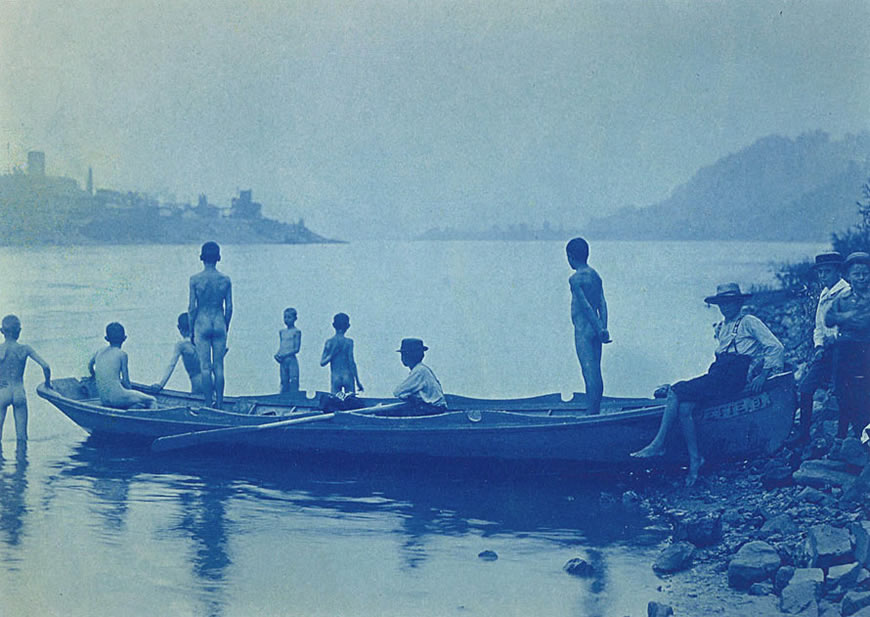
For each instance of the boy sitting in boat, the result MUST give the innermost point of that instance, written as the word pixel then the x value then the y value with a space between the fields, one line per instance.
pixel 589 316
pixel 184 350
pixel 13 358
pixel 289 342
pixel 338 354
pixel 108 367
pixel 746 349
pixel 420 390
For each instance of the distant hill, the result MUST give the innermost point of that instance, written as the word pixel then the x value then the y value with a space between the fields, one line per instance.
pixel 778 188
pixel 514 233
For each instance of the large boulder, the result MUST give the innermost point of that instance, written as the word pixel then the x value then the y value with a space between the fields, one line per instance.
pixel 676 557
pixel 861 531
pixel 701 529
pixel 854 601
pixel 781 523
pixel 821 473
pixel 657 609
pixel 798 597
pixel 816 576
pixel 852 452
pixel 754 562
pixel 828 546
pixel 845 575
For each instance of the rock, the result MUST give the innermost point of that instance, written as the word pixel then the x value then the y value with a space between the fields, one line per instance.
pixel 656 609
pixel 854 601
pixel 826 609
pixel 845 575
pixel 776 476
pixel 853 453
pixel 754 562
pixel 630 498
pixel 798 597
pixel 782 578
pixel 760 589
pixel 781 523
pixel 822 473
pixel 811 495
pixel 699 529
pixel 828 546
pixel 861 531
pixel 864 612
pixel 863 580
pixel 816 576
pixel 674 558
pixel 579 567
pixel 732 518
pixel 490 556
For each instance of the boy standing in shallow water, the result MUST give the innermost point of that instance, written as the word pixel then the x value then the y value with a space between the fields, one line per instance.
pixel 108 367
pixel 589 316
pixel 338 353
pixel 13 358
pixel 289 342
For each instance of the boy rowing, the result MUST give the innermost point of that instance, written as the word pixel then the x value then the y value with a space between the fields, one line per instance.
pixel 589 316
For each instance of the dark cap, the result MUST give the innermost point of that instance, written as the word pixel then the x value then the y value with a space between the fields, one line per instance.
pixel 412 344
pixel 858 257
pixel 832 258
pixel 210 252
pixel 725 293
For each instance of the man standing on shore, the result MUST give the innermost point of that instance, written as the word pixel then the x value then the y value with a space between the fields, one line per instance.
pixel 829 269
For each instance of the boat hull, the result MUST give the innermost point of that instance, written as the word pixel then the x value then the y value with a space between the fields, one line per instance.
pixel 543 428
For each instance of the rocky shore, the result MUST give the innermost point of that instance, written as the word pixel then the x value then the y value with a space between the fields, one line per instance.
pixel 776 536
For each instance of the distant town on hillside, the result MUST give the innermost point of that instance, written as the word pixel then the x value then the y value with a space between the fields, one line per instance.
pixel 37 208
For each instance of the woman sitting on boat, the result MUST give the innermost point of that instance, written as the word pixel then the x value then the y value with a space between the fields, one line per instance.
pixel 747 351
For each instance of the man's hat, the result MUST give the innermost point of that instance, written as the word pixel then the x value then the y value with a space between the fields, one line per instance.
pixel 832 258
pixel 858 257
pixel 726 292
pixel 412 344
pixel 210 252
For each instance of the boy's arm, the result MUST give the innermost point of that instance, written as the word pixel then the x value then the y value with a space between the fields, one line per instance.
pixel 228 304
pixel 585 309
pixel 353 367
pixel 91 364
pixel 46 369
pixel 192 308
pixel 327 353
pixel 296 342
pixel 602 312
pixel 176 354
pixel 125 373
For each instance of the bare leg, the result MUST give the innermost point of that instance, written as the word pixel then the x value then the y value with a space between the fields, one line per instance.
pixel 19 411
pixel 687 421
pixel 657 446
pixel 203 351
pixel 2 419
pixel 589 355
pixel 219 346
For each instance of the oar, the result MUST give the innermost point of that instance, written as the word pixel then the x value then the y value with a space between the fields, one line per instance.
pixel 195 438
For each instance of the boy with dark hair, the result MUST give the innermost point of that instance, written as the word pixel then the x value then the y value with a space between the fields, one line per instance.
pixel 109 369
pixel 338 354
pixel 289 342
pixel 13 358
pixel 184 350
pixel 589 316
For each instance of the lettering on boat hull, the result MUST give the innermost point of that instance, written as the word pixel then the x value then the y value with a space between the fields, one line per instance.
pixel 738 408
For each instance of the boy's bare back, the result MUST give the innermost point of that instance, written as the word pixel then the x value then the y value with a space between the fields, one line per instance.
pixel 586 287
pixel 13 359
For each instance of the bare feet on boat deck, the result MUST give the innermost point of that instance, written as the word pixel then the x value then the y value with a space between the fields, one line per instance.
pixel 693 472
pixel 648 452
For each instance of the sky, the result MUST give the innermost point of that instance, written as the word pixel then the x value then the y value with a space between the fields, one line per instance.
pixel 387 118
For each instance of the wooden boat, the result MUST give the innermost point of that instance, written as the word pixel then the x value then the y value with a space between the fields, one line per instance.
pixel 543 428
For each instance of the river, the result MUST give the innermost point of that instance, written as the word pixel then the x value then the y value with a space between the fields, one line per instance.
pixel 91 529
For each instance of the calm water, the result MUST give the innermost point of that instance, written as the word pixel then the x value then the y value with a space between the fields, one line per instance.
pixel 90 530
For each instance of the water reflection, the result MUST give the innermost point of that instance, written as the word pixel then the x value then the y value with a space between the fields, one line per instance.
pixel 418 505
pixel 13 505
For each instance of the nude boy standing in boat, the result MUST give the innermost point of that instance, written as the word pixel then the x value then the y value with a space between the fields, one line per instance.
pixel 589 316
pixel 13 358
pixel 338 354
pixel 210 311
pixel 109 369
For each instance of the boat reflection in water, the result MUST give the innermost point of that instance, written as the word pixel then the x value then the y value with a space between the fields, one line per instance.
pixel 239 519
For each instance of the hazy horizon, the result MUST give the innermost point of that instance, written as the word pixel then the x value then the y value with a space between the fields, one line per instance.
pixel 391 118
